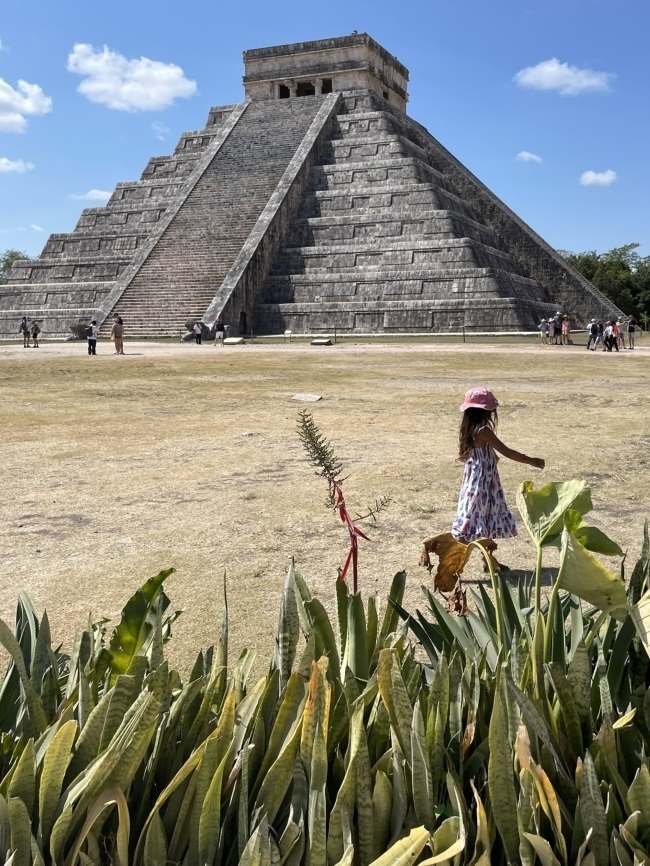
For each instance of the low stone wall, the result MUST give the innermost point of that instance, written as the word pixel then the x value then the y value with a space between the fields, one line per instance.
pixel 241 289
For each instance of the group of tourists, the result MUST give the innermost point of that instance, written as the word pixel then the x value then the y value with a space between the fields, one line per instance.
pixel 555 331
pixel 610 334
pixel 117 336
pixel 30 329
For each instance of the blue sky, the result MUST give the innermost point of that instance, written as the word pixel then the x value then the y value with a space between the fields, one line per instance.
pixel 585 112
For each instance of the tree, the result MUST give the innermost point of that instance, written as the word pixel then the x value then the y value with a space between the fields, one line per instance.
pixel 6 262
pixel 620 273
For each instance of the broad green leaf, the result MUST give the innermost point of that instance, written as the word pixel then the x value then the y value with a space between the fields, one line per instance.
pixel 111 796
pixel 543 510
pixel 583 575
pixel 396 700
pixel 277 780
pixel 134 632
pixel 317 708
pixel 317 811
pixel 638 795
pixel 595 540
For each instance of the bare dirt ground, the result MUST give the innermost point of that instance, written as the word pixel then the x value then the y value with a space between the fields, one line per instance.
pixel 114 468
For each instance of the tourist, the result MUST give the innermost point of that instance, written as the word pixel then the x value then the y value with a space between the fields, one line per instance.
pixel 558 328
pixel 24 330
pixel 197 329
pixel 91 333
pixel 600 339
pixel 592 331
pixel 618 333
pixel 117 334
pixel 632 325
pixel 609 338
pixel 551 331
pixel 543 331
pixel 482 509
pixel 566 329
pixel 36 330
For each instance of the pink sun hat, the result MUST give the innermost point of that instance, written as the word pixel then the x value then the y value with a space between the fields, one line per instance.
pixel 479 398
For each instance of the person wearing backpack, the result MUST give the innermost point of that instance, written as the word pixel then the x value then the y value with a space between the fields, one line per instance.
pixel 592 330
pixel 91 334
pixel 36 330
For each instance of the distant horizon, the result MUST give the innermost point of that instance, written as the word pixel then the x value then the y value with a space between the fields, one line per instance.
pixel 546 116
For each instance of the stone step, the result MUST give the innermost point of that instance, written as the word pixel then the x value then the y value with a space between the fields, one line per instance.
pixel 366 198
pixel 400 168
pixel 377 283
pixel 386 252
pixel 394 315
pixel 392 223
pixel 345 151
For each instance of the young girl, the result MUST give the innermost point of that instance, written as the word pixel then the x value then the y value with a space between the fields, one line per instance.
pixel 482 508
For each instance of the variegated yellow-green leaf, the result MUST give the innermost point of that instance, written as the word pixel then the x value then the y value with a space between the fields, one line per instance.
pixel 21 831
pixel 34 704
pixel 396 700
pixel 406 851
pixel 543 850
pixel 446 843
pixel 420 773
pixel 592 812
pixel 501 786
pixel 55 764
pixel 317 708
pixel 23 780
pixel 277 780
pixel 155 846
pixel 111 796
pixel 382 803
pixel 638 795
pixel 317 812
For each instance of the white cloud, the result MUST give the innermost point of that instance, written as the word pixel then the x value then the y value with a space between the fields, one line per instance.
pixel 36 228
pixel 15 166
pixel 92 195
pixel 160 130
pixel 17 102
pixel 527 156
pixel 127 85
pixel 565 79
pixel 598 178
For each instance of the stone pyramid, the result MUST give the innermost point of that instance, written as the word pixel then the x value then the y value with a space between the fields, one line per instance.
pixel 315 204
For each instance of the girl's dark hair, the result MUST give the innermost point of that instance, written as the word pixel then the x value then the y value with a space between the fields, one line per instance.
pixel 473 420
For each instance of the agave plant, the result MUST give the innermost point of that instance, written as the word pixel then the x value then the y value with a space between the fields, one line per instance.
pixel 519 735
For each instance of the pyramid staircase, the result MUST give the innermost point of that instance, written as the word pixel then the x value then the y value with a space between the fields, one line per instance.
pixel 385 243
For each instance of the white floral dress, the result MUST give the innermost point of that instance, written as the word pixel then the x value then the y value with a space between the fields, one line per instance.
pixel 482 508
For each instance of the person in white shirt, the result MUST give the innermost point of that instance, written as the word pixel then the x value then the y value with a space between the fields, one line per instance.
pixel 197 329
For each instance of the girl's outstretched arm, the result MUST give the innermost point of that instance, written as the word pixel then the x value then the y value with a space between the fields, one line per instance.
pixel 488 437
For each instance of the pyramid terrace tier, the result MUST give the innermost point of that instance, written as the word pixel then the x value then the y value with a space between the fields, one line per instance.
pixel 393 223
pixel 388 252
pixel 397 316
pixel 393 194
pixel 417 284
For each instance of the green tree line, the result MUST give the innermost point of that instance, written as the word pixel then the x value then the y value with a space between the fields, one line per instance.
pixel 621 274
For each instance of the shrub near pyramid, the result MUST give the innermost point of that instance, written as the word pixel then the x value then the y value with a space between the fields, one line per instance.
pixel 315 204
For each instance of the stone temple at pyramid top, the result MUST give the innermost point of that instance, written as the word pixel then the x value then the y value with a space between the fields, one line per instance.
pixel 353 62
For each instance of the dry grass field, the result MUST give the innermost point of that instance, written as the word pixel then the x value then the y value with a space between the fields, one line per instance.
pixel 114 468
